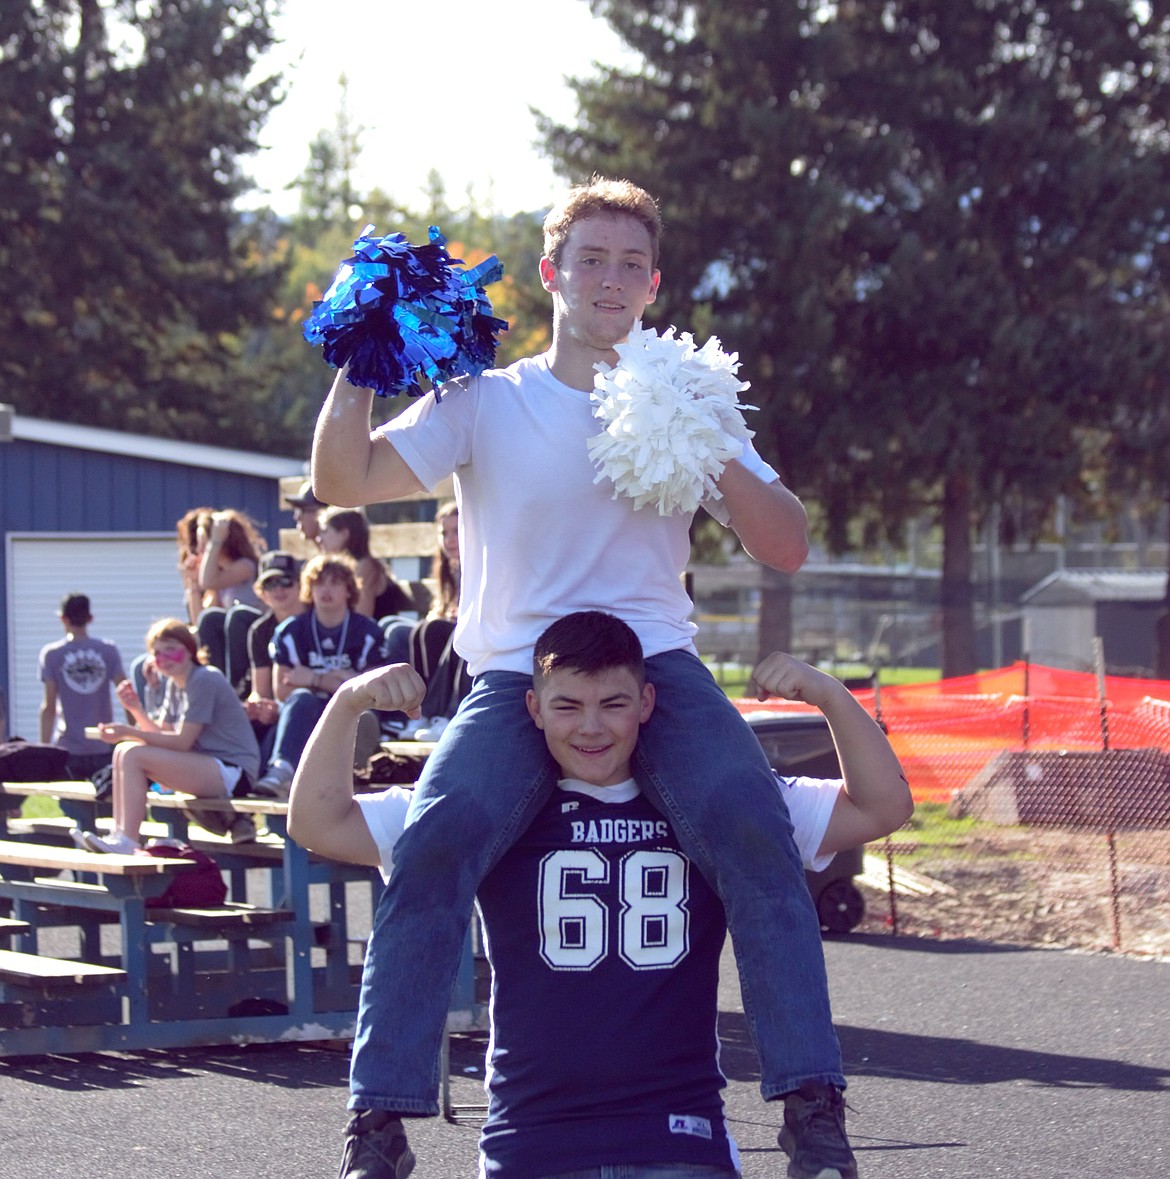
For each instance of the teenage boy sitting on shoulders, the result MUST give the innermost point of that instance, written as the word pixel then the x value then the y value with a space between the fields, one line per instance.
pixel 604 939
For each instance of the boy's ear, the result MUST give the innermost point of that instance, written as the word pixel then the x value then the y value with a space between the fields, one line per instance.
pixel 532 700
pixel 647 702
pixel 548 274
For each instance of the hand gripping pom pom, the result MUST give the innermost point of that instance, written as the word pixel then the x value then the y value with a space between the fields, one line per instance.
pixel 672 420
pixel 396 313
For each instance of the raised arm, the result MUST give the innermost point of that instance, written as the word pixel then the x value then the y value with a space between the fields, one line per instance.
pixel 322 814
pixel 876 799
pixel 769 520
pixel 351 466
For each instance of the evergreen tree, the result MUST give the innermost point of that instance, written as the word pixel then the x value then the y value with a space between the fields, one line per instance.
pixel 126 277
pixel 935 229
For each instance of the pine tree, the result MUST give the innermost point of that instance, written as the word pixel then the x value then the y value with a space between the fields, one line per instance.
pixel 934 229
pixel 126 276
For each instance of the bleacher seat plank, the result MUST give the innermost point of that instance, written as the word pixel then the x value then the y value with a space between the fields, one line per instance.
pixel 35 968
pixel 79 791
pixel 220 916
pixel 25 854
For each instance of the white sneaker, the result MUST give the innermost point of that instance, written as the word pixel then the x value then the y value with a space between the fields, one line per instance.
pixel 118 844
pixel 433 730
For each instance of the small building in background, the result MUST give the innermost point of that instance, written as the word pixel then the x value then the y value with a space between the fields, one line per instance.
pixel 1067 609
pixel 94 511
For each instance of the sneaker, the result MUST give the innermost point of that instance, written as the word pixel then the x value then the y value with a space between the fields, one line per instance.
pixel 117 844
pixel 242 829
pixel 813 1134
pixel 276 783
pixel 408 730
pixel 434 729
pixel 375 1147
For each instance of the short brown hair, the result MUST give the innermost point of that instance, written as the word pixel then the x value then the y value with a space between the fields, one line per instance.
pixel 330 565
pixel 601 197
pixel 172 628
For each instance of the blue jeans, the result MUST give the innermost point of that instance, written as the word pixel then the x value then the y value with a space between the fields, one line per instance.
pixel 299 713
pixel 649 1171
pixel 702 766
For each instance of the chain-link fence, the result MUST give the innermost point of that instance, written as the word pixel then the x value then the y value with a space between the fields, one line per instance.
pixel 1042 811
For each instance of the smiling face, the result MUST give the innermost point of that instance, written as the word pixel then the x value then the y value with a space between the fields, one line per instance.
pixel 604 281
pixel 591 722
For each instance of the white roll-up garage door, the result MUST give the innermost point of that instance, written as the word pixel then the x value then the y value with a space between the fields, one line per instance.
pixel 131 579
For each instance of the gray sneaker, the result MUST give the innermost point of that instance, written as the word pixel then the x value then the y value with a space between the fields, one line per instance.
pixel 813 1134
pixel 276 783
pixel 375 1147
pixel 242 829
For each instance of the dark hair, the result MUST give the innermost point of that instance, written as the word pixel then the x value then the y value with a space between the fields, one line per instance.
pixel 589 642
pixel 356 528
pixel 601 197
pixel 75 609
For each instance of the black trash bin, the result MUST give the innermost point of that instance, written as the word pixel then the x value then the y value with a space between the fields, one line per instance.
pixel 800 745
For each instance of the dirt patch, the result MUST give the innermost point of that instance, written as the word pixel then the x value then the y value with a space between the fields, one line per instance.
pixel 1038 887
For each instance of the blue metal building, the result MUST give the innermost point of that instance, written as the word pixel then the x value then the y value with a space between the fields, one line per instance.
pixel 92 510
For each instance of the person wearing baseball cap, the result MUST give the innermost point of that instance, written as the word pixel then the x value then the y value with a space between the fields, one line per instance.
pixel 278 584
pixel 306 508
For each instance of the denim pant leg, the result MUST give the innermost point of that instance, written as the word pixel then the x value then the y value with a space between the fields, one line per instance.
pixel 488 776
pixel 299 713
pixel 700 761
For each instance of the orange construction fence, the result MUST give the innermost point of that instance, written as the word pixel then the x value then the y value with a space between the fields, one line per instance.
pixel 947 731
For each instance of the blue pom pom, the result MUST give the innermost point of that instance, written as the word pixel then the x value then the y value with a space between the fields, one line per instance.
pixel 398 312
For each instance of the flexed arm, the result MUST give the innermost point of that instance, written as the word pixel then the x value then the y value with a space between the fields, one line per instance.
pixel 322 814
pixel 876 799
pixel 350 465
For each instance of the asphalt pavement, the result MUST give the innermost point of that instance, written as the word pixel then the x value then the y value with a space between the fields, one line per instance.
pixel 965 1060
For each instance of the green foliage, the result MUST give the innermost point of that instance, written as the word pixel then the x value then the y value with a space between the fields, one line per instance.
pixel 127 283
pixel 935 231
pixel 316 241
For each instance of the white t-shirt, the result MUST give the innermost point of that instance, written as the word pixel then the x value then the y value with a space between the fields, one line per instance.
pixel 538 538
pixel 810 804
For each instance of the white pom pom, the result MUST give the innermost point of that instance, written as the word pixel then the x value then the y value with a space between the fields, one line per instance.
pixel 672 419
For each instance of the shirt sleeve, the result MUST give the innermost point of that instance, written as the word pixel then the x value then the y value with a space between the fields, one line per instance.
pixel 717 508
pixel 385 816
pixel 200 693
pixel 282 649
pixel 810 805
pixel 434 439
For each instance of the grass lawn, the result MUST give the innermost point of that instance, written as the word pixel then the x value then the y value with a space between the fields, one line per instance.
pixel 733 677
pixel 38 807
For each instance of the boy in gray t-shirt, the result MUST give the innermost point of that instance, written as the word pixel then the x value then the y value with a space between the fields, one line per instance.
pixel 78 673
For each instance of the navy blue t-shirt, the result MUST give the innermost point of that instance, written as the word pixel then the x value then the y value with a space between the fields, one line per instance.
pixel 605 944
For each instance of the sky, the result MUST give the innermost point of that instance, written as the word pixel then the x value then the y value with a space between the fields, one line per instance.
pixel 443 84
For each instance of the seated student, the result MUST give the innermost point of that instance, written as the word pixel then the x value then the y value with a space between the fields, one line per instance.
pixel 314 653
pixel 229 546
pixel 346 530
pixel 200 743
pixel 277 586
pixel 78 673
pixel 306 510
pixel 600 930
